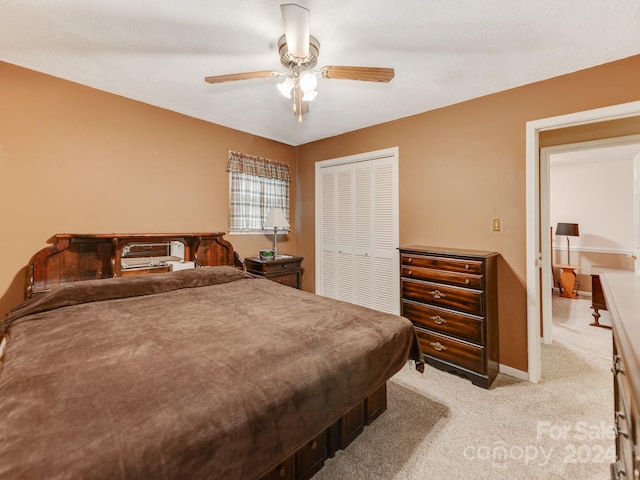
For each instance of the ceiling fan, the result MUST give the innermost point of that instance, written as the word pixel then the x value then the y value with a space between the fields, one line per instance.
pixel 299 54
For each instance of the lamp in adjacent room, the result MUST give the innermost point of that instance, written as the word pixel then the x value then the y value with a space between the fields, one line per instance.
pixel 570 230
pixel 276 221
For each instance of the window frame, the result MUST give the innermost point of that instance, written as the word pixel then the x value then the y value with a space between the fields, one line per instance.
pixel 269 191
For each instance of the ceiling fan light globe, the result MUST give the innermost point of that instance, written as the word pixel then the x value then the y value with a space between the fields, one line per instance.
pixel 308 96
pixel 285 87
pixel 308 82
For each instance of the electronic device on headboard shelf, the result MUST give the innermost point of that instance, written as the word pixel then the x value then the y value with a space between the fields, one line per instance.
pixel 138 255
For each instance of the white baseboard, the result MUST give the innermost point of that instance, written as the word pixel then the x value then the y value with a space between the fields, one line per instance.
pixel 514 372
pixel 580 292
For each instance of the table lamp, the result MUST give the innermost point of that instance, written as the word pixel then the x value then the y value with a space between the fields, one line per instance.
pixel 570 230
pixel 277 221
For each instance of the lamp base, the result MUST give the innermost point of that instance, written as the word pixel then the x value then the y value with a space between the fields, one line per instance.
pixel 275 243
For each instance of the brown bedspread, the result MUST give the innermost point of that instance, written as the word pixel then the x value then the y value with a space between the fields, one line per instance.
pixel 194 374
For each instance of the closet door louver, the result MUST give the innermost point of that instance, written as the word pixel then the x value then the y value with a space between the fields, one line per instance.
pixel 363 232
pixel 328 264
pixel 345 218
pixel 385 228
pixel 358 234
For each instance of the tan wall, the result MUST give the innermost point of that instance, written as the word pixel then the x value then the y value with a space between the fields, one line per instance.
pixel 72 159
pixel 77 160
pixel 463 165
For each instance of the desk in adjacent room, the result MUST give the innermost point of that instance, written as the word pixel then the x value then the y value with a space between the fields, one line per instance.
pixel 597 300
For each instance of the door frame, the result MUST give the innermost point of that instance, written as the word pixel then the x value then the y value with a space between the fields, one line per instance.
pixel 537 182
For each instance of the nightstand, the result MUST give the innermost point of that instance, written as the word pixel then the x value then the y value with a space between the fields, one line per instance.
pixel 285 269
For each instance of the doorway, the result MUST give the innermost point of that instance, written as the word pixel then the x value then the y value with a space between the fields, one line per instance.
pixel 592 179
pixel 537 254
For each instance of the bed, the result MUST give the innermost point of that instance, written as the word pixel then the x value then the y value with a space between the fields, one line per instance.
pixel 207 372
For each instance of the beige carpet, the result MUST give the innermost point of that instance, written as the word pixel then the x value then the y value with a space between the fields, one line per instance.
pixel 440 426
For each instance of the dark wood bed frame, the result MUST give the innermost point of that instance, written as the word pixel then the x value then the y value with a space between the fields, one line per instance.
pixel 76 257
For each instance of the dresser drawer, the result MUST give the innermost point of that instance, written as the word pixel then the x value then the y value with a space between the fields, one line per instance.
pixel 448 264
pixel 310 458
pixel 457 298
pixel 284 471
pixel 289 279
pixel 460 325
pixel 443 276
pixel 286 269
pixel 456 352
pixel 277 266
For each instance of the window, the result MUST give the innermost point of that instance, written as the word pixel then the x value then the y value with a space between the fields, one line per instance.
pixel 256 186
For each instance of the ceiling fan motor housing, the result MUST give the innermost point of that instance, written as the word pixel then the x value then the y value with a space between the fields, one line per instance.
pixel 288 60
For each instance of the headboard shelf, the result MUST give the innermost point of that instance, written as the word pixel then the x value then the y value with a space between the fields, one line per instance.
pixel 75 257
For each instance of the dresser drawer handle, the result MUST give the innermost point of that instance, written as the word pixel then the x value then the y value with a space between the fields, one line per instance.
pixel 467 281
pixel 438 346
pixel 409 260
pixel 620 432
pixel 467 266
pixel 314 445
pixel 437 294
pixel 438 319
pixel 617 366
pixel 409 273
pixel 284 265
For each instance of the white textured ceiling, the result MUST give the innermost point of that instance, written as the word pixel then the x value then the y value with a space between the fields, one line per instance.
pixel 443 52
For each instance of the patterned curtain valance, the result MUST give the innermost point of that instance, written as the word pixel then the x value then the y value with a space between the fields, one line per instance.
pixel 258 166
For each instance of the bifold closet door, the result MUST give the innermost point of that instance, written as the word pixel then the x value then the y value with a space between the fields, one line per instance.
pixel 358 234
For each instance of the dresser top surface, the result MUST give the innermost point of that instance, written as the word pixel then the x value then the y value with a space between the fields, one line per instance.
pixel 422 249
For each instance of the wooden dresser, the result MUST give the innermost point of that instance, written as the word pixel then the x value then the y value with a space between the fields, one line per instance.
pixel 286 269
pixel 451 298
pixel 622 293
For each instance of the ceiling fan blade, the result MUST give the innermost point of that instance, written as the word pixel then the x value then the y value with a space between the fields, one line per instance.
pixel 296 29
pixel 365 74
pixel 240 76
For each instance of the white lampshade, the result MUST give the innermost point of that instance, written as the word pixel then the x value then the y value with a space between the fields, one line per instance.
pixel 276 220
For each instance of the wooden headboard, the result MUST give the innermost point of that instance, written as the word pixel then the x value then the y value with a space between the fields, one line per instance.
pixel 75 257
